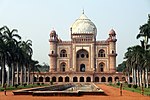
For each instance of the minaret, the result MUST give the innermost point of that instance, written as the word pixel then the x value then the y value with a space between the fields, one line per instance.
pixel 53 51
pixel 112 51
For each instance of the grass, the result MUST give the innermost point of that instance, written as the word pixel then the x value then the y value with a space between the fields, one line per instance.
pixel 22 87
pixel 138 89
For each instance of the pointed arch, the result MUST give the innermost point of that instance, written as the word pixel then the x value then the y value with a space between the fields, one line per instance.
pixel 54 79
pixel 63 53
pixel 75 79
pixel 88 79
pixel 96 79
pixel 60 79
pixel 63 67
pixel 66 79
pixel 103 79
pixel 101 53
pixel 116 78
pixel 41 79
pixel 101 67
pixel 47 79
pixel 109 79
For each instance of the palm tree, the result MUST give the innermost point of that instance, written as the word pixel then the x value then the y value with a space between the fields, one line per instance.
pixel 3 59
pixel 129 61
pixel 2 44
pixel 11 39
pixel 34 67
pixel 145 32
pixel 135 57
pixel 26 47
pixel 3 54
pixel 128 69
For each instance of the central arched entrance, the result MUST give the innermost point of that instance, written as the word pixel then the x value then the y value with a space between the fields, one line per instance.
pixel 82 68
pixel 82 60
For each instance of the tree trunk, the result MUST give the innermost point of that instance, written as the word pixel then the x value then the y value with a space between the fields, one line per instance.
pixel 28 75
pixel 146 76
pixel 12 74
pixel 133 81
pixel 25 74
pixel 21 75
pixel 134 70
pixel 17 73
pixel 138 80
pixel 3 72
pixel 140 75
pixel 128 77
pixel 33 76
pixel 8 76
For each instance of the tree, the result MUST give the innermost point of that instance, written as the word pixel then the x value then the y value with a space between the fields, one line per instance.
pixel 15 54
pixel 134 58
pixel 121 67
pixel 3 53
pixel 28 52
pixel 34 67
pixel 145 32
pixel 12 40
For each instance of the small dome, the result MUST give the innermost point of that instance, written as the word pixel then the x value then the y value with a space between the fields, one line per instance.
pixel 83 25
pixel 112 32
pixel 53 33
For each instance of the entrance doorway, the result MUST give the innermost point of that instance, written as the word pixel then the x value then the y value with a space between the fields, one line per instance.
pixel 82 68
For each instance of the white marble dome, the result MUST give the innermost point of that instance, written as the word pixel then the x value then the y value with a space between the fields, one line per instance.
pixel 83 25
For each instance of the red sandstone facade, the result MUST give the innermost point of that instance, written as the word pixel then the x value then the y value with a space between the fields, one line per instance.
pixel 83 59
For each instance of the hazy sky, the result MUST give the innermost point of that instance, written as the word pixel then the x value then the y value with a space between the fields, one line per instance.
pixel 34 20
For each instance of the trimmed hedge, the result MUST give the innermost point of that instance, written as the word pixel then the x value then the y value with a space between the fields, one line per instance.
pixel 129 85
pixel 135 86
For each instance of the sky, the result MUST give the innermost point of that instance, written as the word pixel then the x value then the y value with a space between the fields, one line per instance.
pixel 34 19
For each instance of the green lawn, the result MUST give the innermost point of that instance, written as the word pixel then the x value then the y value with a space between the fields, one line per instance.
pixel 21 87
pixel 138 89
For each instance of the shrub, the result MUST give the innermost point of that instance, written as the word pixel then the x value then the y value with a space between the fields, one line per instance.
pixel 16 85
pixel 42 84
pixel 126 82
pixel 38 83
pixel 51 82
pixel 24 84
pixel 129 85
pixel 110 83
pixel 135 86
pixel 118 83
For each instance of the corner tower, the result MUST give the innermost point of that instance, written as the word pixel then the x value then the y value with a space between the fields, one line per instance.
pixel 112 51
pixel 53 51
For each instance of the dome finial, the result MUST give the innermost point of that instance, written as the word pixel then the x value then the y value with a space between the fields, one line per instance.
pixel 83 11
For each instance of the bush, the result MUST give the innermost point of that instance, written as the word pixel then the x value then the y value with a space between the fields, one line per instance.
pixel 1 89
pixel 42 84
pixel 110 83
pixel 24 84
pixel 118 83
pixel 38 83
pixel 16 85
pixel 135 86
pixel 51 82
pixel 129 85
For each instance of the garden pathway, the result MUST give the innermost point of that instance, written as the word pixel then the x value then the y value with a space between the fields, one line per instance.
pixel 113 94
